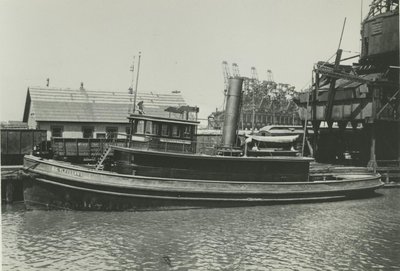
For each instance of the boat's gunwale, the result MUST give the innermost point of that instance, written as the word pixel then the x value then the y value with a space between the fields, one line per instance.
pixel 362 177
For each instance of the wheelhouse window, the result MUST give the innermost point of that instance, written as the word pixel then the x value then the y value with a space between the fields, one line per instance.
pixel 149 127
pixel 164 130
pixel 87 131
pixel 175 131
pixel 140 127
pixel 112 132
pixel 187 132
pixel 57 131
pixel 156 128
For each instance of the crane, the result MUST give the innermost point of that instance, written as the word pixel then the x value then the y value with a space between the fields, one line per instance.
pixel 235 70
pixel 254 75
pixel 270 76
pixel 226 73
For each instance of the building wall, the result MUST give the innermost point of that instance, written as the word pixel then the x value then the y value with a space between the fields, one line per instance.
pixel 31 118
pixel 380 35
pixel 75 130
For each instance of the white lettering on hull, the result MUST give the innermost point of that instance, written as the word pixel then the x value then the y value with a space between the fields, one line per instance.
pixel 67 171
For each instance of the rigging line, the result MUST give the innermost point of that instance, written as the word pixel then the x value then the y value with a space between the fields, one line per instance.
pixel 361 11
pixel 352 52
pixel 341 35
pixel 325 62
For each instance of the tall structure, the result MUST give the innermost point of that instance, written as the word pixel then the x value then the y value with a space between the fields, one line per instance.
pixel 235 70
pixel 270 76
pixel 226 73
pixel 254 75
pixel 365 95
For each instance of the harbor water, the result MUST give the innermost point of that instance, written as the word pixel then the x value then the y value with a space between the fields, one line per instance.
pixel 362 234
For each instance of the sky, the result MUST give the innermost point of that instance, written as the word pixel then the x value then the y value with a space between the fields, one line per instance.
pixel 182 42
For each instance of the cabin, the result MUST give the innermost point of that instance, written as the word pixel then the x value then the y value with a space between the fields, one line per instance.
pixel 163 134
pixel 80 113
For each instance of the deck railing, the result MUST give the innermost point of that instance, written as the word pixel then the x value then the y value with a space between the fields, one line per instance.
pixel 83 147
pixel 94 147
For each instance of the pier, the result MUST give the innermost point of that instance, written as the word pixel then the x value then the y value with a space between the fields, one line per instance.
pixel 362 99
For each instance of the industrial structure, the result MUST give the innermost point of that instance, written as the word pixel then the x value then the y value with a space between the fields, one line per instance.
pixel 361 100
pixel 264 102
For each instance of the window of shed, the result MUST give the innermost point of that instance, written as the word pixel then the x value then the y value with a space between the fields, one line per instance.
pixel 112 132
pixel 57 131
pixel 87 132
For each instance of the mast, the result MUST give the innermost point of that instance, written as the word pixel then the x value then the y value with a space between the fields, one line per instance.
pixel 132 69
pixel 136 84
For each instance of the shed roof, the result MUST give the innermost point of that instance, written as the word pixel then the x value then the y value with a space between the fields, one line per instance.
pixel 51 104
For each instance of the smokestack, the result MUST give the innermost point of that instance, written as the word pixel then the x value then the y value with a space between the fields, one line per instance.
pixel 232 113
pixel 48 82
pixel 81 88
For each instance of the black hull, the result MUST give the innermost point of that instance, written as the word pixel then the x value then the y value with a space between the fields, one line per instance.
pixel 54 195
pixel 54 185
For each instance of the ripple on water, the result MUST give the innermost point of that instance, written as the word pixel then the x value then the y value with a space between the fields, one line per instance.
pixel 348 235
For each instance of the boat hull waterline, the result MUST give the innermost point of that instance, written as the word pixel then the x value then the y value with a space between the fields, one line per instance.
pixel 51 184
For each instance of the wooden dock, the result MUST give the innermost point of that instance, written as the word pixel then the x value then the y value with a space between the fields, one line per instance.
pixel 11 184
pixel 390 174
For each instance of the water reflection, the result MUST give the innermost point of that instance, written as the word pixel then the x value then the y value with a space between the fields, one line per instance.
pixel 348 235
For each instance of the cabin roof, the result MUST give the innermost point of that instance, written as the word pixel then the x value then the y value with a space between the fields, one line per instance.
pixel 162 119
pixel 80 105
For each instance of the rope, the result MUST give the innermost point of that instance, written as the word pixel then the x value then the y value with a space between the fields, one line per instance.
pixel 23 169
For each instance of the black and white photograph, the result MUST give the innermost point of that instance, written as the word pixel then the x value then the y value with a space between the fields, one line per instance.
pixel 200 135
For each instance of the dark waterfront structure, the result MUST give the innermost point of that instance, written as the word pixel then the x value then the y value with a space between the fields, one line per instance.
pixel 362 98
pixel 16 141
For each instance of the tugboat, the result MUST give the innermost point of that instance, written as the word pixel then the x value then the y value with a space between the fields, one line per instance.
pixel 160 169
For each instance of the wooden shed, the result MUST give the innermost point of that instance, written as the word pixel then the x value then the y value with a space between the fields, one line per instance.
pixel 80 113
